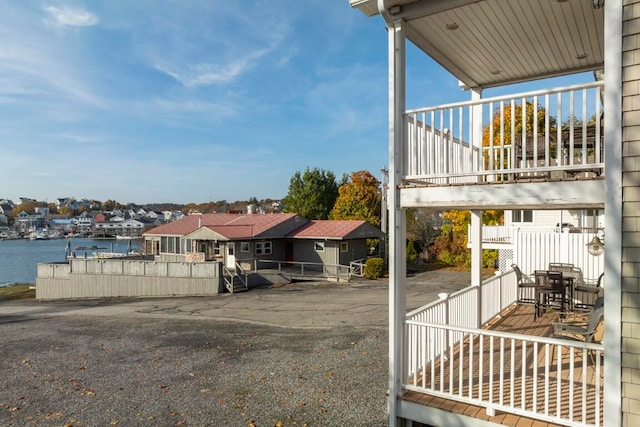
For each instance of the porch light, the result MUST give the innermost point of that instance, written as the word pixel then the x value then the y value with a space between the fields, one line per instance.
pixel 452 26
pixel 595 246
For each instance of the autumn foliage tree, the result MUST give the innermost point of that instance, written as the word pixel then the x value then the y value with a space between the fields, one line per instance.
pixel 451 246
pixel 508 122
pixel 359 198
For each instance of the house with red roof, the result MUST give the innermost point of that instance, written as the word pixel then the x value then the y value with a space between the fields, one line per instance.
pixel 241 242
pixel 206 254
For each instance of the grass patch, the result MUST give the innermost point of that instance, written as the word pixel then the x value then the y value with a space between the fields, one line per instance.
pixel 17 291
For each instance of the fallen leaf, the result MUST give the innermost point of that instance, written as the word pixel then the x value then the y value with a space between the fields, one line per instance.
pixel 115 422
pixel 14 409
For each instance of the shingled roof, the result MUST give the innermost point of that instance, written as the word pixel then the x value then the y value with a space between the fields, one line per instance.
pixel 336 229
pixel 231 226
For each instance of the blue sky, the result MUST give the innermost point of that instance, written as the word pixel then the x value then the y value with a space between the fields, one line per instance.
pixel 193 101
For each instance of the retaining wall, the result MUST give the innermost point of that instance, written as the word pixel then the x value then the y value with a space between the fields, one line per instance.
pixel 97 278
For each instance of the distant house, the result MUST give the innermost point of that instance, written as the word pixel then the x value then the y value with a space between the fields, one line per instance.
pixel 213 253
pixel 331 242
pixel 25 222
pixel 125 227
pixel 84 221
pixel 232 238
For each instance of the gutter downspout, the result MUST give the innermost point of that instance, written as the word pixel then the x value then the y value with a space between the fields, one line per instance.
pixel 397 226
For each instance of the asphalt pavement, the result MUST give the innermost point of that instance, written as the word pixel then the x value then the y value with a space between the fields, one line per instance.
pixel 309 353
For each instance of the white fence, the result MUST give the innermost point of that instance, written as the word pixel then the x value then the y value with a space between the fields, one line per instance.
pixel 448 355
pixel 533 248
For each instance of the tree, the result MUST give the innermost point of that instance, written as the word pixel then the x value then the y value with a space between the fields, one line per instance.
pixel 28 207
pixel 423 226
pixel 359 198
pixel 499 130
pixel 311 194
pixel 66 211
pixel 451 247
pixel 501 123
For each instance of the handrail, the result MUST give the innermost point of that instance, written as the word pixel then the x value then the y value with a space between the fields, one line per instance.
pixel 530 94
pixel 310 269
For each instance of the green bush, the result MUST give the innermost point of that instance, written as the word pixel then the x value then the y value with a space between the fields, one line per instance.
pixel 412 253
pixel 374 268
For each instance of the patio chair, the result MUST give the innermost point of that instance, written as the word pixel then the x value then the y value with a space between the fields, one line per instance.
pixel 578 328
pixel 591 291
pixel 560 266
pixel 526 287
pixel 549 289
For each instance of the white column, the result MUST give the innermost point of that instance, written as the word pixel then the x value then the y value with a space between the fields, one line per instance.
pixel 613 212
pixel 397 223
pixel 476 129
pixel 476 256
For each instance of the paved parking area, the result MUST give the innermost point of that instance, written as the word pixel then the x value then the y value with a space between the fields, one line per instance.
pixel 300 354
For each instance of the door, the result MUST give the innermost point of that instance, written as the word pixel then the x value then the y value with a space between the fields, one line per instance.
pixel 288 251
pixel 231 255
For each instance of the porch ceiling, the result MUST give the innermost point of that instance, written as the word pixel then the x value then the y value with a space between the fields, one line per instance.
pixel 487 43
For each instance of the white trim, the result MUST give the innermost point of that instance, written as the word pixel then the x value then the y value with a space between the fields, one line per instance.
pixel 613 17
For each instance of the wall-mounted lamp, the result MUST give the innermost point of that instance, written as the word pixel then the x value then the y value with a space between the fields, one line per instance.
pixel 595 246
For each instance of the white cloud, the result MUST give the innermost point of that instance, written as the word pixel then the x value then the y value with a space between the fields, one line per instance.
pixel 67 16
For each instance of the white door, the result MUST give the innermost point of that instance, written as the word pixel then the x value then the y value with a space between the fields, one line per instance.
pixel 231 255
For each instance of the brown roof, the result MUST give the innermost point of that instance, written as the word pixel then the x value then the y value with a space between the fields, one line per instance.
pixel 336 229
pixel 232 226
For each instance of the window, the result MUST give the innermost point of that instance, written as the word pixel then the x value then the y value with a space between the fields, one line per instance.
pixel 263 248
pixel 318 246
pixel 245 247
pixel 170 245
pixel 344 246
pixel 522 216
pixel 216 248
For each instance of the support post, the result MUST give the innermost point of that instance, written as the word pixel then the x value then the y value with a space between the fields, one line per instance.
pixel 614 213
pixel 476 259
pixel 397 220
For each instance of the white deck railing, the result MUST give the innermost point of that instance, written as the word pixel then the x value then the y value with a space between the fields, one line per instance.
pixel 449 356
pixel 455 143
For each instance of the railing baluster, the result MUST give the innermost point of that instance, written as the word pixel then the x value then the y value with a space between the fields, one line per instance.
pixel 471 344
pixel 571 382
pixel 534 377
pixel 583 401
pixel 513 374
pixel 523 391
pixel 559 382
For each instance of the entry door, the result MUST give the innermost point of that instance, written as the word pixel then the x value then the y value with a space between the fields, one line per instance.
pixel 231 255
pixel 288 251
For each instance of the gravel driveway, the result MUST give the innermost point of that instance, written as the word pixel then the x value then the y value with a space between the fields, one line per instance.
pixel 303 354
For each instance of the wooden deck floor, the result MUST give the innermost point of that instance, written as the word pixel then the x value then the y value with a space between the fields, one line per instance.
pixel 520 320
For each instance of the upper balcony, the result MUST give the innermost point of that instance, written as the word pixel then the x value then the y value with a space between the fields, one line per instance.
pixel 552 139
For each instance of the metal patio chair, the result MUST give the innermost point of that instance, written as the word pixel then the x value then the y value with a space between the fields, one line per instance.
pixel 526 287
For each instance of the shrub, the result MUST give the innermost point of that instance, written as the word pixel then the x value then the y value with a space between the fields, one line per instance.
pixel 374 268
pixel 412 253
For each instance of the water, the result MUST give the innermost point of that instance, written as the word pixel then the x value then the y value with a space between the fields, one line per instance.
pixel 19 258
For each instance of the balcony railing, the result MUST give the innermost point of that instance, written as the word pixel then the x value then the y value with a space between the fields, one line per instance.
pixel 449 356
pixel 525 136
